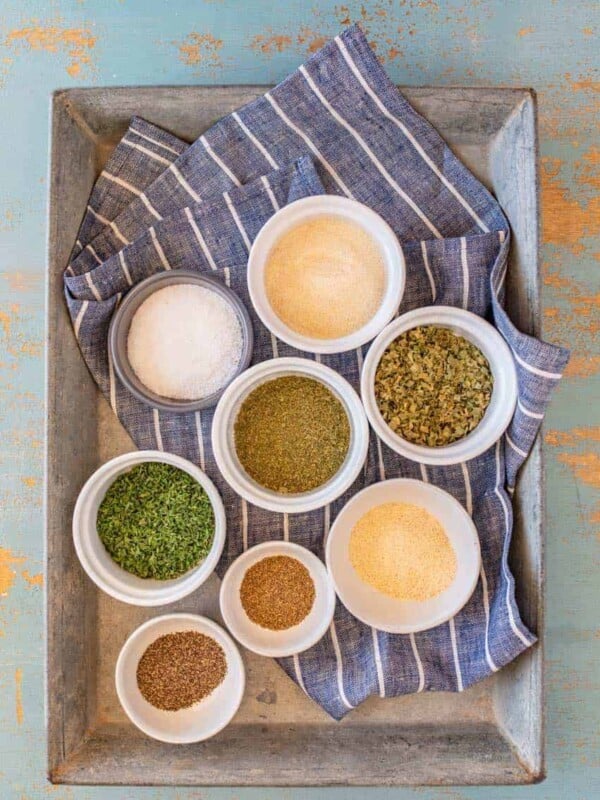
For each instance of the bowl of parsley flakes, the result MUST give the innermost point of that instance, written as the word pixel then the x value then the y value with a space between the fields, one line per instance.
pixel 149 527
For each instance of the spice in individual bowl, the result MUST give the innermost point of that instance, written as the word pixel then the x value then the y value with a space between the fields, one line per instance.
pixel 402 551
pixel 432 386
pixel 291 434
pixel 179 669
pixel 185 342
pixel 277 592
pixel 325 277
pixel 156 521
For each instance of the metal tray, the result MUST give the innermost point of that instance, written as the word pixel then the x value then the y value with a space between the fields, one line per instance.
pixel 490 734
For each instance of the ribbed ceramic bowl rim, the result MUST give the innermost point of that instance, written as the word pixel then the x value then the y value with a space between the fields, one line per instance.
pixel 291 215
pixel 215 631
pixel 320 576
pixel 504 394
pixel 224 447
pixel 114 580
pixel 117 337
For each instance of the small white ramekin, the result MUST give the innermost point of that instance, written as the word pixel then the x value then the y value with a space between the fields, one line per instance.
pixel 504 393
pixel 277 644
pixel 224 445
pixel 300 211
pixel 94 557
pixel 386 613
pixel 198 722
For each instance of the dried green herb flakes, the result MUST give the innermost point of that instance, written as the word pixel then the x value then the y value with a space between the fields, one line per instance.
pixel 432 386
pixel 291 434
pixel 156 521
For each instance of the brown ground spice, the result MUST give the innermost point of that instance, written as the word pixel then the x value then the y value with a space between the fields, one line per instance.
pixel 179 669
pixel 277 592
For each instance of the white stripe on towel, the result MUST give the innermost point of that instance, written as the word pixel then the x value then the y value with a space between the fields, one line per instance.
pixel 110 224
pixel 200 238
pixel 340 666
pixel 94 253
pixel 555 376
pixel 348 59
pixel 484 585
pixel 219 162
pixel 237 220
pixel 413 644
pixel 428 271
pixel 382 170
pixel 125 268
pixel 80 316
pixel 145 150
pixel 150 207
pixel 157 433
pixel 465 271
pixel 310 146
pixel 500 497
pixel 517 449
pixel 154 141
pixel 298 672
pixel 459 680
pixel 378 663
pixel 120 182
pixel 200 440
pixel 260 147
pixel 528 412
pixel 182 181
pixel 272 198
pixel 112 391
pixel 94 290
pixel 158 248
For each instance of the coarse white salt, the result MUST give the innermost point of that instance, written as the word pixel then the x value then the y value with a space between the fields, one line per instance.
pixel 184 342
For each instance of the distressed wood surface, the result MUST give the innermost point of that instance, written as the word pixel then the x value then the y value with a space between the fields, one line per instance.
pixel 551 46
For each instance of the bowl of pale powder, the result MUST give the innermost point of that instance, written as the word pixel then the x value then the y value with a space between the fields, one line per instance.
pixel 179 339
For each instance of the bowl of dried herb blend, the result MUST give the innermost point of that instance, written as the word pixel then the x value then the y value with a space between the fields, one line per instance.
pixel 290 435
pixel 178 339
pixel 149 527
pixel 180 678
pixel 403 555
pixel 326 274
pixel 439 385
pixel 277 599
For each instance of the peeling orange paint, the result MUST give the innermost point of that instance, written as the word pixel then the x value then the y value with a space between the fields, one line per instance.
pixel 276 43
pixel 582 366
pixel 76 43
pixel 565 220
pixel 583 83
pixel 7 574
pixel 525 31
pixel 311 40
pixel 586 466
pixel 557 438
pixel 29 481
pixel 200 48
pixel 33 580
pixel 19 695
pixel 5 323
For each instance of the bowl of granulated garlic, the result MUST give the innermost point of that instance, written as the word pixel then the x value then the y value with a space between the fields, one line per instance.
pixel 403 555
pixel 326 274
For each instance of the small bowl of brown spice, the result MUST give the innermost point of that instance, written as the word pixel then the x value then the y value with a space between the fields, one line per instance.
pixel 180 678
pixel 277 599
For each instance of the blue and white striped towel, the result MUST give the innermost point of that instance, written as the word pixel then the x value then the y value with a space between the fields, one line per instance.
pixel 336 125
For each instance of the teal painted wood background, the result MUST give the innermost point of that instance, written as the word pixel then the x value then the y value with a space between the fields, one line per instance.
pixel 549 45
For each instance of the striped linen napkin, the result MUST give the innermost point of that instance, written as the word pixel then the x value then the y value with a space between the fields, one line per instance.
pixel 336 125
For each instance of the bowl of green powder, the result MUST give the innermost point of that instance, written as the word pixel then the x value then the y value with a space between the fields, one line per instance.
pixel 290 435
pixel 149 527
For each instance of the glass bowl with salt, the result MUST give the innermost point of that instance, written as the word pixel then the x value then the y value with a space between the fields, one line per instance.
pixel 178 339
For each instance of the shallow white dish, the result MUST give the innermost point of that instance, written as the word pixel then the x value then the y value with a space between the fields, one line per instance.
pixel 224 446
pixel 193 724
pixel 298 212
pixel 377 609
pixel 277 644
pixel 504 394
pixel 94 557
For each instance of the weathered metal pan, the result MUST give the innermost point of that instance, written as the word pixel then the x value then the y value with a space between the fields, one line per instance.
pixel 491 733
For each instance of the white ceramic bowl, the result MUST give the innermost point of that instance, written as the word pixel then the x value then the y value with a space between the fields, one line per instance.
pixel 198 722
pixel 224 445
pixel 504 394
pixel 386 613
pixel 94 557
pixel 277 644
pixel 300 211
